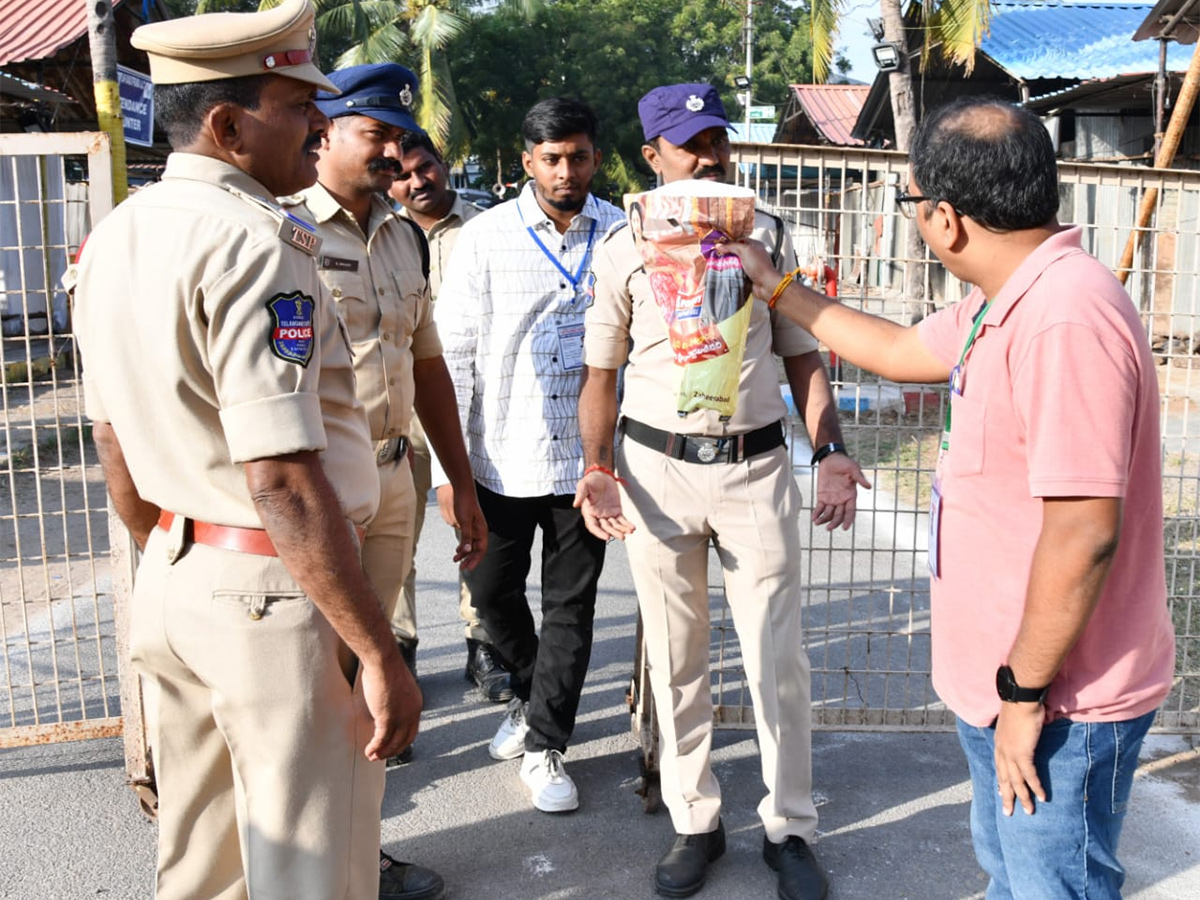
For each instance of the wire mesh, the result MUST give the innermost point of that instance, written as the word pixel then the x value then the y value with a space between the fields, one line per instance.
pixel 59 675
pixel 867 606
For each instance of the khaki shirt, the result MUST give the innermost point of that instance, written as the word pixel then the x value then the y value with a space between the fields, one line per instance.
pixel 383 298
pixel 443 235
pixel 625 311
pixel 191 315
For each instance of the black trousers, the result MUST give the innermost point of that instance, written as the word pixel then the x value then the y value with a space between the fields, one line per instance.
pixel 549 672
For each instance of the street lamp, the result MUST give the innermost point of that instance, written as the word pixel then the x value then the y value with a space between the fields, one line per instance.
pixel 887 57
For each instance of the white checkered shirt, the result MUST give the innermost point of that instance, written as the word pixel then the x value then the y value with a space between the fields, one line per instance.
pixel 511 326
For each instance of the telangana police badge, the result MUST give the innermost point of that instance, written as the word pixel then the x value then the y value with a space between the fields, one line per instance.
pixel 292 336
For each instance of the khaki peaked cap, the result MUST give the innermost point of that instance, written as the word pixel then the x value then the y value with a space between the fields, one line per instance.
pixel 214 46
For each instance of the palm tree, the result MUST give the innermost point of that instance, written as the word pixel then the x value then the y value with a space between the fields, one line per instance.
pixel 416 33
pixel 952 28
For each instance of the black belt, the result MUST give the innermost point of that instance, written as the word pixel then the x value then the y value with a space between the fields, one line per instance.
pixel 696 449
pixel 392 448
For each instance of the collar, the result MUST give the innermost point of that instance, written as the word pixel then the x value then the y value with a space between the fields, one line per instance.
pixel 196 167
pixel 1068 240
pixel 324 206
pixel 456 211
pixel 534 216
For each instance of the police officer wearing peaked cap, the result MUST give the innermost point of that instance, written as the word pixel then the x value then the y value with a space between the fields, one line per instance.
pixel 236 452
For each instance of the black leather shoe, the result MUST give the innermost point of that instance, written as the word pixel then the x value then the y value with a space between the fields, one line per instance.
pixel 800 875
pixel 682 871
pixel 404 881
pixel 484 671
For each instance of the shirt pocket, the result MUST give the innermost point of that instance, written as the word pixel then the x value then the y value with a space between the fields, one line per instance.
pixel 409 285
pixel 967 425
pixel 349 290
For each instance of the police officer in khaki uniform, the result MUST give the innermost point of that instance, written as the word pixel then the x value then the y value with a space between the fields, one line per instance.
pixel 695 479
pixel 422 191
pixel 374 266
pixel 221 384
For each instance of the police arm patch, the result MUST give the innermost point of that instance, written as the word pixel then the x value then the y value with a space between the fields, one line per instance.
pixel 292 332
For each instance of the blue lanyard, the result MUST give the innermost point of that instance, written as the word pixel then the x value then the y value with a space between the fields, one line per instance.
pixel 574 279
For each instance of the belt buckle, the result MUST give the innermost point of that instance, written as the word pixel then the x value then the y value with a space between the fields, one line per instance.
pixel 707 451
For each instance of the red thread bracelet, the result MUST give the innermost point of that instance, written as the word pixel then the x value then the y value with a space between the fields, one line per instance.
pixel 607 471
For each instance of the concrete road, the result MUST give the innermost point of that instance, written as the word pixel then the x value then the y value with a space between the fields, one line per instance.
pixel 893 806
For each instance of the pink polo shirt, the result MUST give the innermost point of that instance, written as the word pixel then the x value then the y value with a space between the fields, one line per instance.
pixel 1060 399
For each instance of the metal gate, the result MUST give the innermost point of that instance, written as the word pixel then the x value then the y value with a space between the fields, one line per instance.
pixel 867 607
pixel 62 654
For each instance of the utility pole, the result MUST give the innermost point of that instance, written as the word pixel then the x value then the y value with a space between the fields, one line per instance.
pixel 749 39
pixel 102 39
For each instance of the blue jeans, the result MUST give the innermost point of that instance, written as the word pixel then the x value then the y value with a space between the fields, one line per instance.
pixel 1066 850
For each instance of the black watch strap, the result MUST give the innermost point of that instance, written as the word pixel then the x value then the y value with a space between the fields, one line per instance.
pixel 825 450
pixel 1011 692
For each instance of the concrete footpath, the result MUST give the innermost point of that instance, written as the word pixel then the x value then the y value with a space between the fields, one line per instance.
pixel 893 806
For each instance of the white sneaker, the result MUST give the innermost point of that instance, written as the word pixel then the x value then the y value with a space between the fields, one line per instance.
pixel 509 742
pixel 552 788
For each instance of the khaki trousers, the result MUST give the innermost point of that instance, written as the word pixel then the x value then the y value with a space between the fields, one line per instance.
pixel 473 628
pixel 387 551
pixel 257 730
pixel 750 509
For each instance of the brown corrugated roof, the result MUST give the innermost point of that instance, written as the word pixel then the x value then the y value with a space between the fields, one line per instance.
pixel 36 29
pixel 833 108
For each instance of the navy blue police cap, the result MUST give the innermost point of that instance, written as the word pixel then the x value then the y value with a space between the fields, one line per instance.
pixel 383 91
pixel 679 112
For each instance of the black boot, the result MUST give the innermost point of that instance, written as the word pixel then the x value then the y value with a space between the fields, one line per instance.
pixel 487 673
pixel 800 875
pixel 404 881
pixel 682 871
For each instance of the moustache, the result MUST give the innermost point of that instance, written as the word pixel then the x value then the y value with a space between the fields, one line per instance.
pixel 313 142
pixel 717 170
pixel 382 165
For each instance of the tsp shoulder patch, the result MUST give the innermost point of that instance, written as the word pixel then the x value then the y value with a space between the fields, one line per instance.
pixel 292 335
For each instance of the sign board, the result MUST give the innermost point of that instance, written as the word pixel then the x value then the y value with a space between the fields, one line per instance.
pixel 762 112
pixel 137 106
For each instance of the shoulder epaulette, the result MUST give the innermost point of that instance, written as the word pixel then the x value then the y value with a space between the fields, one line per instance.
pixel 613 229
pixel 422 242
pixel 292 229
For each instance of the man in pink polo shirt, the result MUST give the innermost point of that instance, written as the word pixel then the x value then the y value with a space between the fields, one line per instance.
pixel 1052 641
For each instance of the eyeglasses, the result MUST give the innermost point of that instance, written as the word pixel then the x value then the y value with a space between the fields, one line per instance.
pixel 907 202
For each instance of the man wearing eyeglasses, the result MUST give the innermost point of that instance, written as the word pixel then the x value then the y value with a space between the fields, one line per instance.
pixel 1052 641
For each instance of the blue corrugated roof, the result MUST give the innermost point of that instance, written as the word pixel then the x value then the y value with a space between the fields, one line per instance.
pixel 760 132
pixel 1074 40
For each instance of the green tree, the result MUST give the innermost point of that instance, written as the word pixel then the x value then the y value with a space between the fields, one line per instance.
pixel 609 53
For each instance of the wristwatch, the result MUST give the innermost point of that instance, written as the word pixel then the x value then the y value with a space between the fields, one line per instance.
pixel 825 450
pixel 1011 692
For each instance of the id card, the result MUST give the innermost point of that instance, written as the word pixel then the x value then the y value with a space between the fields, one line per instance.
pixel 935 522
pixel 570 346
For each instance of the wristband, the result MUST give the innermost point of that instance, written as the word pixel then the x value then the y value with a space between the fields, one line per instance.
pixel 826 450
pixel 781 287
pixel 607 471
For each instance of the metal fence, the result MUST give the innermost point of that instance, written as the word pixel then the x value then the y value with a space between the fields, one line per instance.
pixel 61 653
pixel 867 608
pixel 62 580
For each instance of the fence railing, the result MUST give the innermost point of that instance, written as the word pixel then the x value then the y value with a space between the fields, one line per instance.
pixel 867 612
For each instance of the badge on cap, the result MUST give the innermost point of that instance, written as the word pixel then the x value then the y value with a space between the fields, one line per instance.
pixel 406 97
pixel 694 103
pixel 292 337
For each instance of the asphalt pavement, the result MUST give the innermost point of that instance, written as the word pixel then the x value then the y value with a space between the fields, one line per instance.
pixel 893 806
